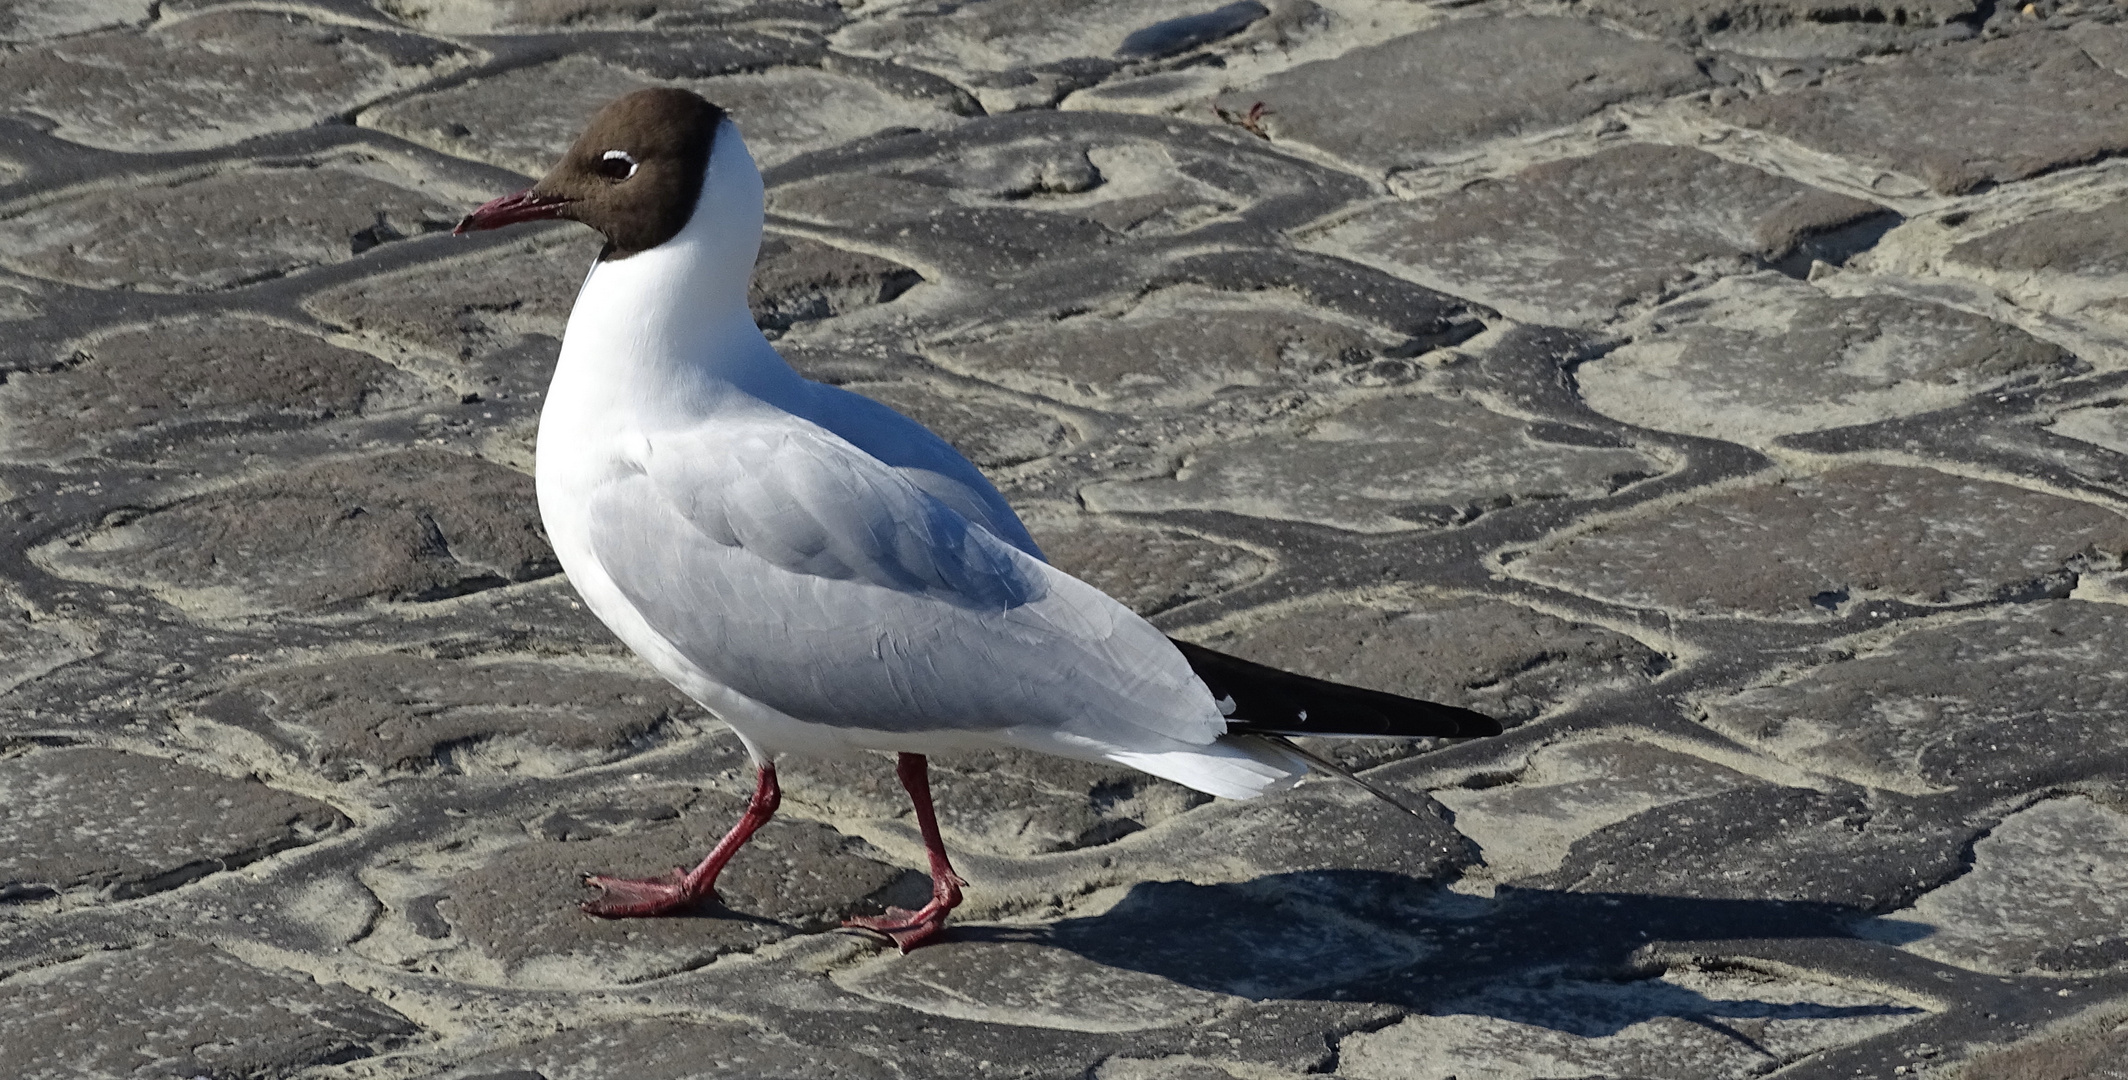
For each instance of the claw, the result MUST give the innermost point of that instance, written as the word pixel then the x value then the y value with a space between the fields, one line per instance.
pixel 635 898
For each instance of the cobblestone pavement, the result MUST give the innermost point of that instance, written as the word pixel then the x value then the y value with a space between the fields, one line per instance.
pixel 1730 394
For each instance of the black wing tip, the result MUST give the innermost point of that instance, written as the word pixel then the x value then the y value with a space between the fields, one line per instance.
pixel 1289 698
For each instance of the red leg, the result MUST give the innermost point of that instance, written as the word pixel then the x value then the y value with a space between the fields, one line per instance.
pixel 908 929
pixel 630 898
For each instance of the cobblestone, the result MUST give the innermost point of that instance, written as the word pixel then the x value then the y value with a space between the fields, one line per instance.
pixel 1725 395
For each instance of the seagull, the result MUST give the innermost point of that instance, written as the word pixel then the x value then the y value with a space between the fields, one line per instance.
pixel 823 574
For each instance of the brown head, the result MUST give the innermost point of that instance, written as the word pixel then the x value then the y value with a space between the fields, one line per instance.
pixel 634 173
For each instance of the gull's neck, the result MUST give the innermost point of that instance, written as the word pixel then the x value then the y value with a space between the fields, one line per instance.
pixel 664 336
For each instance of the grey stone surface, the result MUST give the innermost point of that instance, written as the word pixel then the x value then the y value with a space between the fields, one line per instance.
pixel 1752 359
pixel 1684 1025
pixel 461 715
pixel 2044 894
pixel 1613 368
pixel 168 381
pixel 1961 116
pixel 1357 106
pixel 216 78
pixel 409 526
pixel 1943 704
pixel 1813 543
pixel 1373 467
pixel 266 220
pixel 125 825
pixel 1577 241
pixel 181 1008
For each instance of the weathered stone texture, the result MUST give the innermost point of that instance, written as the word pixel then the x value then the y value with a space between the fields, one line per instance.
pixel 1800 547
pixel 471 715
pixel 1686 1024
pixel 1543 73
pixel 173 380
pixel 409 526
pixel 1568 791
pixel 128 825
pixel 1178 347
pixel 34 20
pixel 2045 893
pixel 266 219
pixel 1576 241
pixel 1998 701
pixel 698 1048
pixel 180 1008
pixel 213 79
pixel 1798 28
pixel 1752 359
pixel 1376 467
pixel 1959 117
pixel 494 16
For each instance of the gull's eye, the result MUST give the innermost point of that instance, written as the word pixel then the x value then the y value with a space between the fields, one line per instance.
pixel 615 165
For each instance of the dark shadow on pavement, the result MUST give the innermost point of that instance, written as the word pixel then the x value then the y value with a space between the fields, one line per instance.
pixel 1543 957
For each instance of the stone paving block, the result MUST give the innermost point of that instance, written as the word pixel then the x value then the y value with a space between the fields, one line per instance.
pixel 2101 423
pixel 2066 260
pixel 1796 28
pixel 2045 894
pixel 1029 53
pixel 1576 241
pixel 1800 547
pixel 171 381
pixel 1959 117
pixel 213 79
pixel 126 825
pixel 32 20
pixel 2007 703
pixel 32 644
pixel 1027 984
pixel 408 526
pixel 1014 194
pixel 1772 845
pixel 669 1049
pixel 1567 791
pixel 261 221
pixel 985 430
pixel 1149 569
pixel 1755 358
pixel 517 914
pixel 1375 467
pixel 1686 1024
pixel 1418 98
pixel 498 16
pixel 1326 826
pixel 2092 1046
pixel 799 280
pixel 1502 659
pixel 1174 348
pixel 183 1009
pixel 477 715
pixel 1009 802
pixel 523 119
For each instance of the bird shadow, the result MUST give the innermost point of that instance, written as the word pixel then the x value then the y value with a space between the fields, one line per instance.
pixel 1568 961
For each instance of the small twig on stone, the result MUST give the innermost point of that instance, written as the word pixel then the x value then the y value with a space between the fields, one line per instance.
pixel 1251 121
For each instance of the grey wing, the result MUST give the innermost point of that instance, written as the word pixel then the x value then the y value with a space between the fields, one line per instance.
pixel 929 462
pixel 803 573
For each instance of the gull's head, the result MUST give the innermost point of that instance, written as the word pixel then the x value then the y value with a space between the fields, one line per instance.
pixel 636 173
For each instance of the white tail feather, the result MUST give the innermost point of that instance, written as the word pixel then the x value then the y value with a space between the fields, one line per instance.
pixel 1234 767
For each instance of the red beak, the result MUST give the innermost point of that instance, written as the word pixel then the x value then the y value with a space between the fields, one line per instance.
pixel 526 205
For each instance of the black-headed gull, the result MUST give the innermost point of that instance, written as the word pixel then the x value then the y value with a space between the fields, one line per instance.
pixel 821 572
